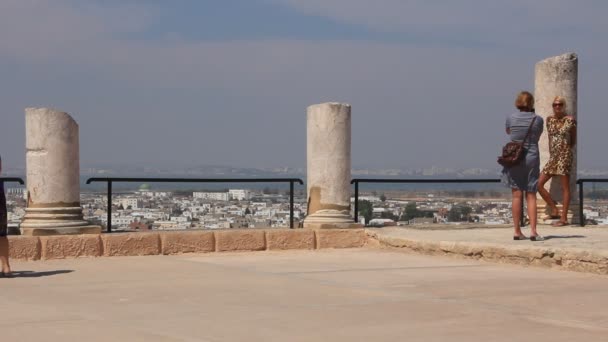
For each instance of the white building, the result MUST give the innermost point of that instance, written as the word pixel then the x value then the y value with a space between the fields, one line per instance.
pixel 239 194
pixel 214 196
pixel 132 202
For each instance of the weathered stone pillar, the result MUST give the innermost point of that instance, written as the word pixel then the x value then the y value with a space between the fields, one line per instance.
pixel 557 76
pixel 328 127
pixel 53 175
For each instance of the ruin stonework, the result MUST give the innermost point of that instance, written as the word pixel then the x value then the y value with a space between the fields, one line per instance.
pixel 53 175
pixel 328 168
pixel 557 76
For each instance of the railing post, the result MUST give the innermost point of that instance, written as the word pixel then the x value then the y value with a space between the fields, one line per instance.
pixel 356 202
pixel 291 204
pixel 109 207
pixel 580 201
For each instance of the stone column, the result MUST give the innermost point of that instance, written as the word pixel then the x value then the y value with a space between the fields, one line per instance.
pixel 328 127
pixel 557 76
pixel 53 175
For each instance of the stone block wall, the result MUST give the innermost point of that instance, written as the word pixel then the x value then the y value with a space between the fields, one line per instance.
pixel 178 242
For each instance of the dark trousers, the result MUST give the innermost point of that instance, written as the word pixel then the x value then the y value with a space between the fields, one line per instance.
pixel 3 214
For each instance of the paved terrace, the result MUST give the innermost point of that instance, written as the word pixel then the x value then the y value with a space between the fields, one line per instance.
pixel 571 248
pixel 320 295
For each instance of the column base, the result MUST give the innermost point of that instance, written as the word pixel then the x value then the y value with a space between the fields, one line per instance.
pixel 543 213
pixel 56 221
pixel 330 219
pixel 61 231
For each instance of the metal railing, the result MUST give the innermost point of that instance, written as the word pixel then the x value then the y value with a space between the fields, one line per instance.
pixel 112 180
pixel 11 180
pixel 356 182
pixel 580 194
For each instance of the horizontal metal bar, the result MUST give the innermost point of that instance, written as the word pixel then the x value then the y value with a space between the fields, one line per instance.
pixel 411 180
pixel 12 180
pixel 592 180
pixel 196 180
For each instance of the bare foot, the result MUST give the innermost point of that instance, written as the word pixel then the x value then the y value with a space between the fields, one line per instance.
pixel 554 214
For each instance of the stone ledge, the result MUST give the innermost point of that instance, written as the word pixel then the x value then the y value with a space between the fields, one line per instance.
pixel 131 244
pixel 24 247
pixel 70 246
pixel 187 242
pixel 290 239
pixel 340 238
pixel 571 259
pixel 177 242
pixel 240 240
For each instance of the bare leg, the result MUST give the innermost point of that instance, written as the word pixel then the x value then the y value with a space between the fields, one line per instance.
pixel 531 200
pixel 566 197
pixel 6 267
pixel 516 201
pixel 545 194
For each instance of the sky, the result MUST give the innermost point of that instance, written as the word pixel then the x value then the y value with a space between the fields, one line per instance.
pixel 227 82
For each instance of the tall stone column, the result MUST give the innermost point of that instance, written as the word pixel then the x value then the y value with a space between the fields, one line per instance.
pixel 557 76
pixel 328 127
pixel 53 175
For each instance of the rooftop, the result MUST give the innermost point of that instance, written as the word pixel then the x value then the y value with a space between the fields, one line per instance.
pixel 363 294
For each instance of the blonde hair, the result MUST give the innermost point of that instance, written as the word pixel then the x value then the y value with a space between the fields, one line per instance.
pixel 560 99
pixel 525 101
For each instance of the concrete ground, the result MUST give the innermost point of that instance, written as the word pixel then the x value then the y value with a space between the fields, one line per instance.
pixel 325 295
pixel 591 238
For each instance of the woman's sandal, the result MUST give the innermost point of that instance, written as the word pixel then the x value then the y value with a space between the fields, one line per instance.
pixel 561 224
pixel 537 238
pixel 519 237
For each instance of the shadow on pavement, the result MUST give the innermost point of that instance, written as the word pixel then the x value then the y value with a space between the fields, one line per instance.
pixel 32 274
pixel 549 237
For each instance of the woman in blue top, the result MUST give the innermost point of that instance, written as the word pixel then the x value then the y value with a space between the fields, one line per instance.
pixel 523 177
pixel 6 267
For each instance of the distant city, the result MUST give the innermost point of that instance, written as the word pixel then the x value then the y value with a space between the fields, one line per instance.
pixel 228 171
pixel 148 208
pixel 142 207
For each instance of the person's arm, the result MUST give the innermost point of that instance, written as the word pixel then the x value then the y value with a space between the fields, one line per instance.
pixel 508 126
pixel 549 134
pixel 572 131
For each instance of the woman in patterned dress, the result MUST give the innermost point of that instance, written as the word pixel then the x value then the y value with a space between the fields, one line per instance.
pixel 562 137
pixel 6 268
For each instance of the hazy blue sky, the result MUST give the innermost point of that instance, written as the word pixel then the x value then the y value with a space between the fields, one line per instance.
pixel 228 81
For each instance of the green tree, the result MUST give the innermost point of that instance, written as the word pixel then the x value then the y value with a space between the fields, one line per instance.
pixel 459 213
pixel 366 209
pixel 411 211
pixel 383 198
pixel 247 211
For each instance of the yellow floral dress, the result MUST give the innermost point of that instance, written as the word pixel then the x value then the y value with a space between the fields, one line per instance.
pixel 560 160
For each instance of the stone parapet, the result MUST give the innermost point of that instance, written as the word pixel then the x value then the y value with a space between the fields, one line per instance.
pixel 290 239
pixel 341 238
pixel 24 247
pixel 179 242
pixel 70 246
pixel 187 242
pixel 131 244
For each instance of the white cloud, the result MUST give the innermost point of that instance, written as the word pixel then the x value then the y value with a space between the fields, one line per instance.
pixel 490 21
